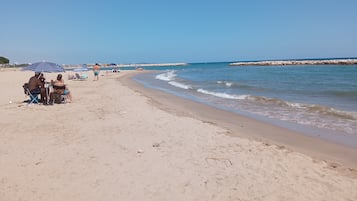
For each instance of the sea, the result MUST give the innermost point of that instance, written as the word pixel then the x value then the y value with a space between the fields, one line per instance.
pixel 316 100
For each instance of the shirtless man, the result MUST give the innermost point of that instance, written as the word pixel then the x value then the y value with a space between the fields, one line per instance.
pixel 37 87
pixel 96 70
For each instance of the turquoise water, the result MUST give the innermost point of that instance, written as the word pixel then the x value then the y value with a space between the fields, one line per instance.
pixel 317 97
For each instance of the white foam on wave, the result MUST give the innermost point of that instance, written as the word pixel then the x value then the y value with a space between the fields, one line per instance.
pixel 223 95
pixel 167 76
pixel 180 85
pixel 307 108
pixel 320 109
pixel 296 105
pixel 228 84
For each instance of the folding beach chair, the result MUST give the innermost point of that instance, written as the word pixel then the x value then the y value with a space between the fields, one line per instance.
pixel 33 96
pixel 78 77
pixel 81 77
pixel 60 97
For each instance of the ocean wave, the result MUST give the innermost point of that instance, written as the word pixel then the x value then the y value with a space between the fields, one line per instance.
pixel 308 108
pixel 331 112
pixel 265 100
pixel 180 85
pixel 223 95
pixel 167 76
pixel 238 85
pixel 226 83
pixel 351 94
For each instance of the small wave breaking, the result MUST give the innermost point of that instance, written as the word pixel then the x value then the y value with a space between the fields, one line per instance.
pixel 308 108
pixel 332 112
pixel 167 76
pixel 223 95
pixel 226 83
pixel 180 85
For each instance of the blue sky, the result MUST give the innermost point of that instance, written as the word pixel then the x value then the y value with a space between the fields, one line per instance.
pixel 157 31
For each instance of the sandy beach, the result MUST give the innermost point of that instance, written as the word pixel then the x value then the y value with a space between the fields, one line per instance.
pixel 119 141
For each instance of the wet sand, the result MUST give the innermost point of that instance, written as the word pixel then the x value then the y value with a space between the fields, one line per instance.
pixel 246 127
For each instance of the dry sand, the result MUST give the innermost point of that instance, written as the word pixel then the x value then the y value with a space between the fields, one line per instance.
pixel 114 143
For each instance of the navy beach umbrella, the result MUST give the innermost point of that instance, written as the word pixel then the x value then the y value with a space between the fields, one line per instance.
pixel 47 67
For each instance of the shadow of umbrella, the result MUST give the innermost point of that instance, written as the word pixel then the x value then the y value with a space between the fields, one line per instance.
pixel 47 67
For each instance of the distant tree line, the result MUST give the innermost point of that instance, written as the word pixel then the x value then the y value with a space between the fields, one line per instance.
pixel 4 60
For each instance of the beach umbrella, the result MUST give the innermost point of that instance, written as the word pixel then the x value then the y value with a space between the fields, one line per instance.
pixel 47 67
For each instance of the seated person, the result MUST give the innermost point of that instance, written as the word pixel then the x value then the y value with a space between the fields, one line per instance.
pixel 59 89
pixel 82 76
pixel 36 86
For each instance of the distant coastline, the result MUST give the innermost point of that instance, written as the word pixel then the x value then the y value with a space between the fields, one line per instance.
pixel 90 66
pixel 297 62
pixel 151 64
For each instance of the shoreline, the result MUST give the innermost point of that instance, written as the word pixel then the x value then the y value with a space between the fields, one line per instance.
pixel 119 141
pixel 251 128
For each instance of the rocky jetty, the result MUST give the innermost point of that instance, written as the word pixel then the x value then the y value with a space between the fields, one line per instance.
pixel 297 62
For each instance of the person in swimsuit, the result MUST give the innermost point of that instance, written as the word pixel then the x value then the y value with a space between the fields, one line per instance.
pixel 96 70
pixel 36 86
pixel 59 88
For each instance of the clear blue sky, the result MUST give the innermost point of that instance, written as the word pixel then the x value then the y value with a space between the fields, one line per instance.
pixel 133 31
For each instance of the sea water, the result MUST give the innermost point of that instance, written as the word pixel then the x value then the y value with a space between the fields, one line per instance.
pixel 320 100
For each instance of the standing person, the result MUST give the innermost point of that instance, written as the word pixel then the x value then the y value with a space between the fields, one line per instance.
pixel 96 70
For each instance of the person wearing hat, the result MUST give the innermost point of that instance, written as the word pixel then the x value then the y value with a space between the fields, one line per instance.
pixel 37 87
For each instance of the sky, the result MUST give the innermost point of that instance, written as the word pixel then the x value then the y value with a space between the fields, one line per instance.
pixel 166 31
